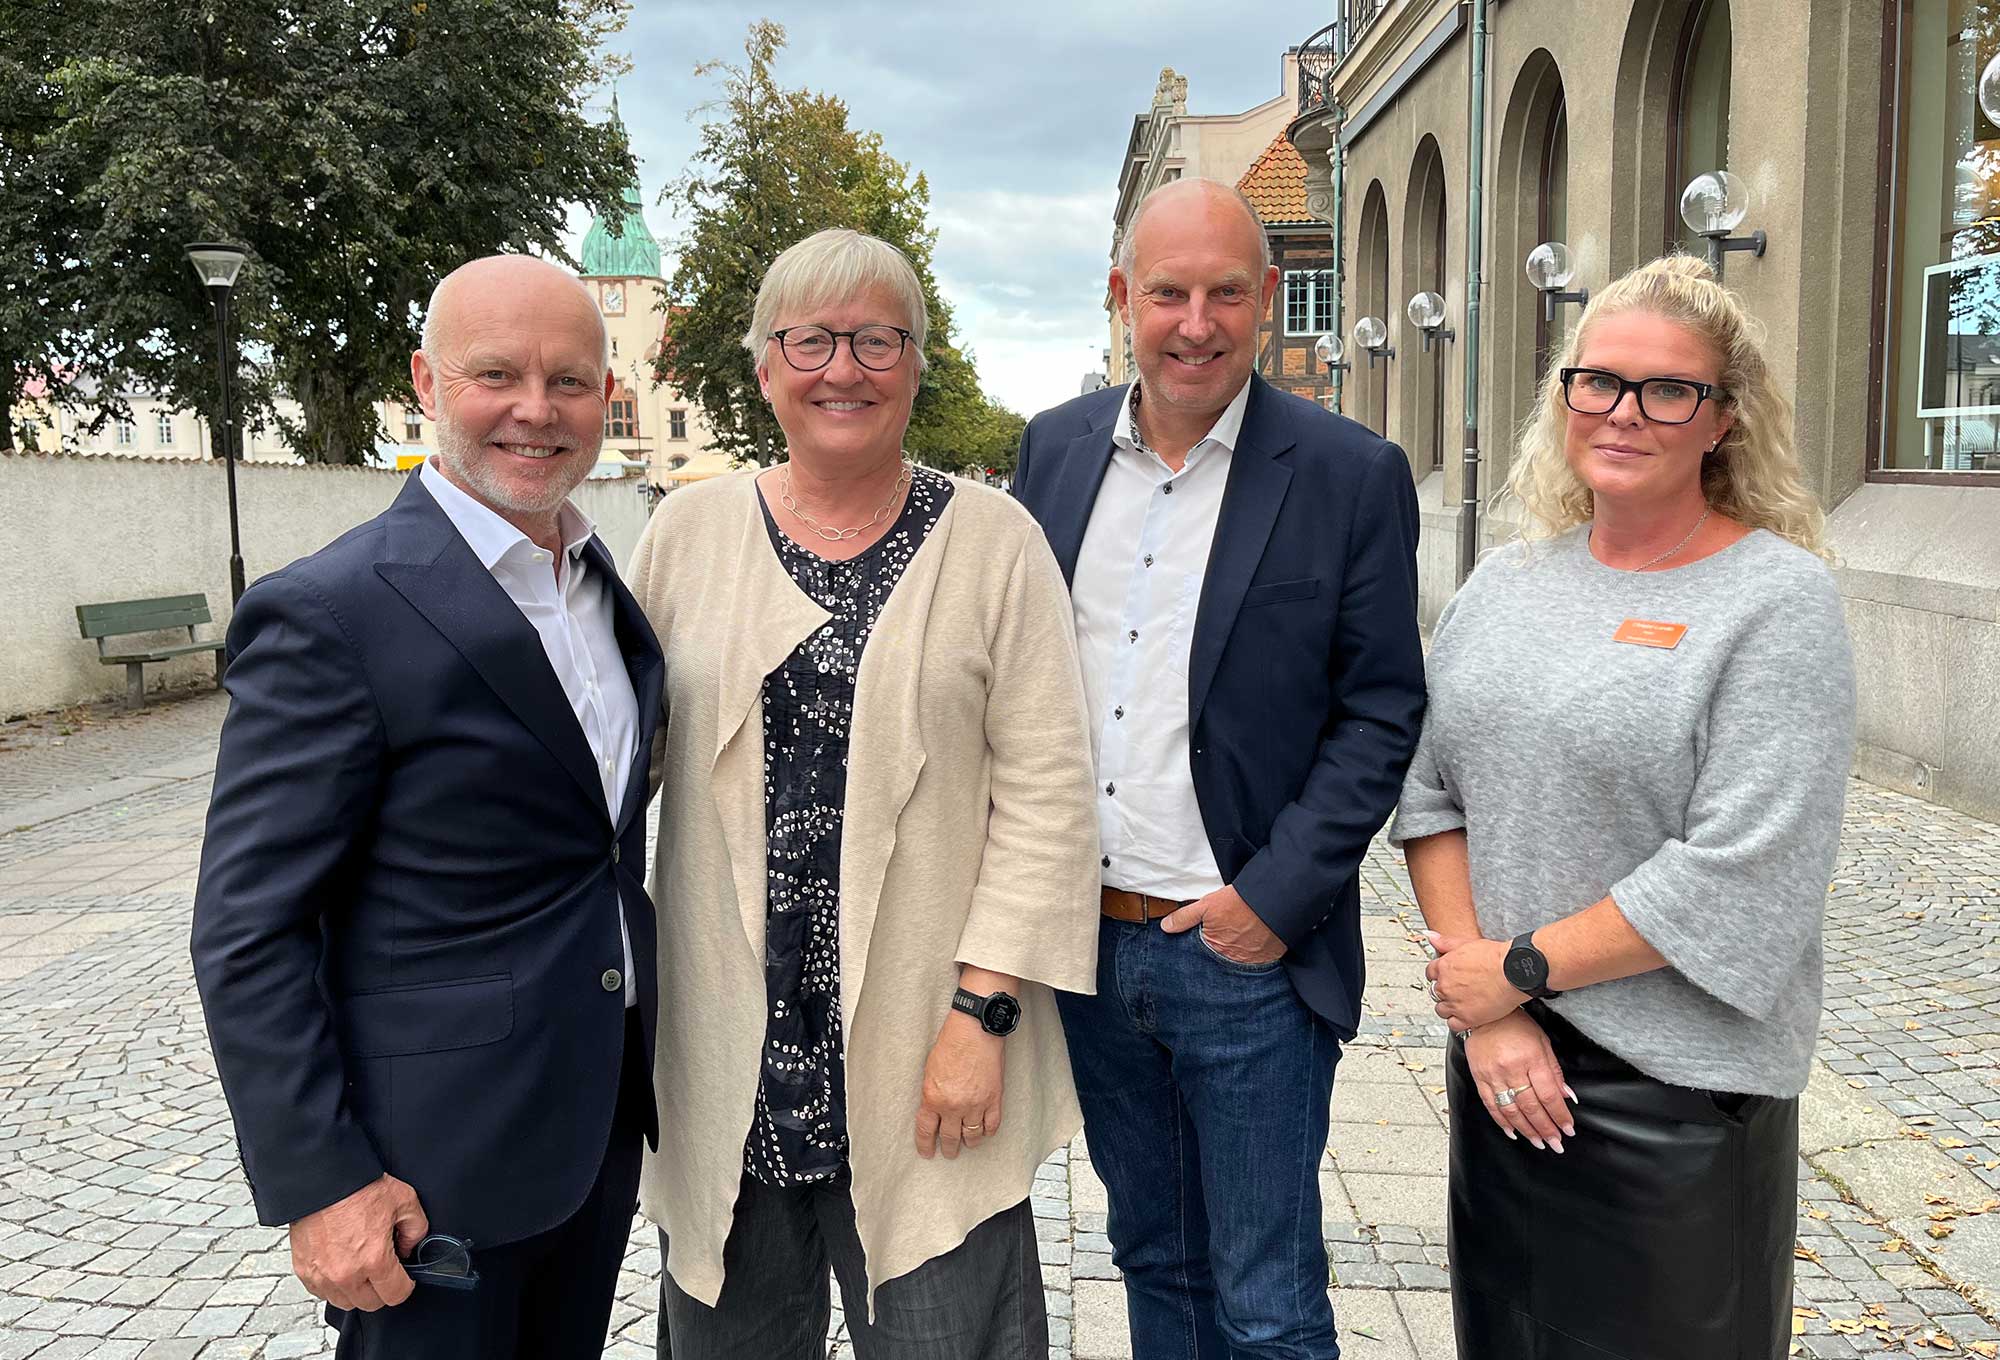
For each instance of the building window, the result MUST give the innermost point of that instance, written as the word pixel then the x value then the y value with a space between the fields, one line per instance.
pixel 622 420
pixel 124 434
pixel 677 423
pixel 163 430
pixel 1941 325
pixel 1308 301
pixel 413 426
pixel 1699 132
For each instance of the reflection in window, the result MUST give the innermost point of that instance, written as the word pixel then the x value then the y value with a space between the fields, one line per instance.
pixel 1701 112
pixel 1941 346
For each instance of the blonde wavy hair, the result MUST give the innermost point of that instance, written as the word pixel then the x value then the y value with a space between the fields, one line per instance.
pixel 1752 476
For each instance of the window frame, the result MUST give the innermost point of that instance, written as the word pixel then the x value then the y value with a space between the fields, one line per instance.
pixel 164 434
pixel 1319 299
pixel 677 423
pixel 1892 183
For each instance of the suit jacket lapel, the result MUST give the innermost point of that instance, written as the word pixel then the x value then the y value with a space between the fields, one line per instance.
pixel 430 566
pixel 1250 502
pixel 643 663
pixel 1066 513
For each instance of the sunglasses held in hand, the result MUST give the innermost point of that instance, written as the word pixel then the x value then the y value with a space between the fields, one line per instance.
pixel 442 1259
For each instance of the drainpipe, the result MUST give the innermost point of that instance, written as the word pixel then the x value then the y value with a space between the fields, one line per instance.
pixel 1468 507
pixel 1338 153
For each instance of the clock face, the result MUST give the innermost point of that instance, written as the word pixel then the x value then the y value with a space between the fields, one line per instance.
pixel 614 299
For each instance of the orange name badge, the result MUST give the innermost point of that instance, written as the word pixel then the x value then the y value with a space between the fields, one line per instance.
pixel 1646 633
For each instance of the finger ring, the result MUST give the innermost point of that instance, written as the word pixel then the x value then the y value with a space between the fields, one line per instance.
pixel 973 1128
pixel 1506 1096
pixel 1433 990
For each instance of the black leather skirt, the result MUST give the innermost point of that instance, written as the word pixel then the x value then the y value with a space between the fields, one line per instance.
pixel 1664 1231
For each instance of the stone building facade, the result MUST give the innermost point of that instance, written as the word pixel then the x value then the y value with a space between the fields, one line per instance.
pixel 1872 171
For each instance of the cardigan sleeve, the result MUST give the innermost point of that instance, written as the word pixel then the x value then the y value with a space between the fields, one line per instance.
pixel 1034 910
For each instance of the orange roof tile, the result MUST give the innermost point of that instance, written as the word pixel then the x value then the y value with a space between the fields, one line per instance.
pixel 1276 183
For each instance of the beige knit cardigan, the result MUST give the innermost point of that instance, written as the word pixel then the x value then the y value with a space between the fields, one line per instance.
pixel 970 836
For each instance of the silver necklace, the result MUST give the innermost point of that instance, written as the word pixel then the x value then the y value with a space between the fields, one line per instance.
pixel 840 535
pixel 1682 544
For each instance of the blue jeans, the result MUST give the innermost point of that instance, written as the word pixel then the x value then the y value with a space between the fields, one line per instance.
pixel 1206 1088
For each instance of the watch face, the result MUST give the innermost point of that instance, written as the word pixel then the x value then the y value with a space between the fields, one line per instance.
pixel 1003 1013
pixel 1522 970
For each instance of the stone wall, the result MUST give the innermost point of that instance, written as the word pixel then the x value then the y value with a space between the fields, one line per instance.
pixel 79 530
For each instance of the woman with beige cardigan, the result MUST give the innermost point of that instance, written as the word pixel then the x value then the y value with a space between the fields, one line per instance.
pixel 877 856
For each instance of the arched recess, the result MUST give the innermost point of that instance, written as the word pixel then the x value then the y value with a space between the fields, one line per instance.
pixel 1422 383
pixel 1666 110
pixel 1532 189
pixel 1372 298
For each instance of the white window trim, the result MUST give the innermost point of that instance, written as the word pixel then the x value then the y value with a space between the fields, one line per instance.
pixel 1318 289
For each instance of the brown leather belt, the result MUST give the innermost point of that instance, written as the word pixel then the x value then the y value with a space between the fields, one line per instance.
pixel 1137 908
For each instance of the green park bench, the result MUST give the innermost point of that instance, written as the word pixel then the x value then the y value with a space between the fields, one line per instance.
pixel 124 618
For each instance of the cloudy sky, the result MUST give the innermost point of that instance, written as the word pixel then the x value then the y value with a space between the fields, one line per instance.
pixel 1018 111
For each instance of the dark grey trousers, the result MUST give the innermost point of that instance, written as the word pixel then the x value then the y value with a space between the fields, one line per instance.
pixel 982 1300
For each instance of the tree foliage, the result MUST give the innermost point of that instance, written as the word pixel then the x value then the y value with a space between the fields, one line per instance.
pixel 361 149
pixel 775 166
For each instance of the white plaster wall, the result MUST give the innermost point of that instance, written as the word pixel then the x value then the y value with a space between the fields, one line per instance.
pixel 79 530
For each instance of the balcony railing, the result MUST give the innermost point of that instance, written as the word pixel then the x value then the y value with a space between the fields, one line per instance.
pixel 1321 54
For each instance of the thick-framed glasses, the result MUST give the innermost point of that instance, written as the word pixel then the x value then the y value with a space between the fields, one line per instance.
pixel 442 1259
pixel 1664 401
pixel 810 348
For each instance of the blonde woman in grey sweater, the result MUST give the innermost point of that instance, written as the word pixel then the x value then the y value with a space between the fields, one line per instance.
pixel 1620 824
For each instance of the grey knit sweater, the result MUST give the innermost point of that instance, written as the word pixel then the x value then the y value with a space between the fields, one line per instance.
pixel 1700 786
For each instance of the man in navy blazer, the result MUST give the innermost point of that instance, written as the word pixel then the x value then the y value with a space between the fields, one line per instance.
pixel 1243 569
pixel 421 935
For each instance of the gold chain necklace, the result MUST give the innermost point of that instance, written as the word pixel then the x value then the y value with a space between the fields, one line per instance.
pixel 840 535
pixel 1682 544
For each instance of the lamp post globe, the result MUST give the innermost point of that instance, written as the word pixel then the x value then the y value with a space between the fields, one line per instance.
pixel 1370 333
pixel 1715 203
pixel 1989 90
pixel 216 264
pixel 1328 349
pixel 1550 266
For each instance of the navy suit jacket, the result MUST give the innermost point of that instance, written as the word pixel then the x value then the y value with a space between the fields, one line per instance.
pixel 411 887
pixel 1306 676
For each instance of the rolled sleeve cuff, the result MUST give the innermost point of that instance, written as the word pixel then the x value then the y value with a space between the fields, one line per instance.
pixel 1712 959
pixel 1414 821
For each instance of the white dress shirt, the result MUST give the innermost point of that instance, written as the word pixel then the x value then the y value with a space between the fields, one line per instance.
pixel 1138 585
pixel 571 609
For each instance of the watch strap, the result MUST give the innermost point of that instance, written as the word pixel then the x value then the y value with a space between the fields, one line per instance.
pixel 972 1003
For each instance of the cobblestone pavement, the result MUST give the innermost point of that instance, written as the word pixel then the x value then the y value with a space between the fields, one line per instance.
pixel 126 1230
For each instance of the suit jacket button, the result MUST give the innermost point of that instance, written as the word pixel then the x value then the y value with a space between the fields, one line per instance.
pixel 612 980
pixel 614 852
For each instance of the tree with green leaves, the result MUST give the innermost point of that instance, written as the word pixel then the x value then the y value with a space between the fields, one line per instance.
pixel 360 149
pixel 775 166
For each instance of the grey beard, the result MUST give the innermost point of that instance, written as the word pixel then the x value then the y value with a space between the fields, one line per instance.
pixel 459 452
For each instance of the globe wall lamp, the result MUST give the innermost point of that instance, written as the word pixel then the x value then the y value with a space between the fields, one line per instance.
pixel 1550 268
pixel 216 264
pixel 1426 313
pixel 1713 205
pixel 1989 90
pixel 1329 351
pixel 1372 335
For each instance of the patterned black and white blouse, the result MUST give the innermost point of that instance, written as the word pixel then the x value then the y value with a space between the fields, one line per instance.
pixel 799 1132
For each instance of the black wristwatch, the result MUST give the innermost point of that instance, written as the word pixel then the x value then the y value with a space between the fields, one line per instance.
pixel 1527 968
pixel 997 1014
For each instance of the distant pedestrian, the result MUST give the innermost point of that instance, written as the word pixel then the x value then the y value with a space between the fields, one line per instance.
pixel 877 794
pixel 1620 827
pixel 422 935
pixel 1242 568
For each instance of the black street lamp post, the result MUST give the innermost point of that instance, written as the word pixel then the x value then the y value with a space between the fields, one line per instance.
pixel 217 264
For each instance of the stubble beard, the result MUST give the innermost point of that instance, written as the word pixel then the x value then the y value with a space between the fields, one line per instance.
pixel 464 457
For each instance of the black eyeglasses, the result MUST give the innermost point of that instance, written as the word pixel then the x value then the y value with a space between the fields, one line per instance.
pixel 442 1259
pixel 1664 401
pixel 810 348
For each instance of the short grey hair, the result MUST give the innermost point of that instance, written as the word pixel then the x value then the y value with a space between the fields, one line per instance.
pixel 1128 242
pixel 830 267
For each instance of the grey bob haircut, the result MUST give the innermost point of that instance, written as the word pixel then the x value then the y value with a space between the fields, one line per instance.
pixel 830 267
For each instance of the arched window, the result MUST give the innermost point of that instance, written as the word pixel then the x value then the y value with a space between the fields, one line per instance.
pixel 1698 132
pixel 1422 369
pixel 1551 216
pixel 1372 280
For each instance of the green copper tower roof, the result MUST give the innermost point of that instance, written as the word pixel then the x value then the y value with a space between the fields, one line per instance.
pixel 631 253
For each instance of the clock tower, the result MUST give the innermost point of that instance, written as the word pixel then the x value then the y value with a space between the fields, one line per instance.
pixel 646 420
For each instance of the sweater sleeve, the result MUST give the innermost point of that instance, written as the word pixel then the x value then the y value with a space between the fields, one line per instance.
pixel 1740 894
